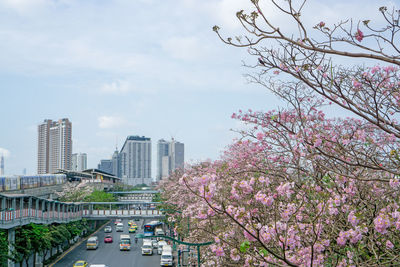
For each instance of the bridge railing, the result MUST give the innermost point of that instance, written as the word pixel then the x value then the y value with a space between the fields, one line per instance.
pixel 121 213
pixel 19 210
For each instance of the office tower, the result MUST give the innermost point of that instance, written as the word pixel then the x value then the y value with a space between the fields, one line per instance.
pixel 2 165
pixel 162 158
pixel 171 156
pixel 43 146
pixel 106 165
pixel 24 171
pixel 54 146
pixel 135 159
pixel 177 155
pixel 79 162
pixel 116 163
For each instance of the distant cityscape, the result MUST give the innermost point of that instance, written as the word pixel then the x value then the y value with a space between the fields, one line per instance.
pixel 133 163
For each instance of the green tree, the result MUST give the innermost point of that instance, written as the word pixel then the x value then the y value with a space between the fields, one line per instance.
pixel 22 246
pixel 3 247
pixel 40 238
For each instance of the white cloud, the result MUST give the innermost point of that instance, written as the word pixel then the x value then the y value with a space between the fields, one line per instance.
pixel 117 87
pixel 24 6
pixel 106 122
pixel 4 152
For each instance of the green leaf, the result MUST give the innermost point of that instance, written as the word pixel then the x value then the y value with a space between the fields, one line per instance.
pixel 244 246
pixel 263 252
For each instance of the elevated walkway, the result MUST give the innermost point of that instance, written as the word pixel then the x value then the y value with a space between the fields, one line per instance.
pixel 18 210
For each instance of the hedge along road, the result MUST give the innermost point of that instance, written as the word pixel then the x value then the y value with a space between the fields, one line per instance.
pixel 109 253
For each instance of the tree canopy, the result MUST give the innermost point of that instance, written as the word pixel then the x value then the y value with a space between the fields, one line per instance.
pixel 299 188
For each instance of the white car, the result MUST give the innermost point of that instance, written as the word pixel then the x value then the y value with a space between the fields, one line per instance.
pixel 147 248
pixel 160 246
pixel 154 243
pixel 166 257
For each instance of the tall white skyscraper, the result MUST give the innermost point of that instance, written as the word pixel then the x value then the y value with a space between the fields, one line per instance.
pixel 54 146
pixel 2 165
pixel 135 160
pixel 79 161
pixel 171 156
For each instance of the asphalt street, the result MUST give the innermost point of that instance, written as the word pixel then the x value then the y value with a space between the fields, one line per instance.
pixel 109 253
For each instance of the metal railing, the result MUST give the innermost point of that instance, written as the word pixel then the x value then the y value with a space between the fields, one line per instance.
pixel 17 210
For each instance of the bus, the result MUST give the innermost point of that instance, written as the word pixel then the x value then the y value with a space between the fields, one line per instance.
pixel 151 227
pixel 125 242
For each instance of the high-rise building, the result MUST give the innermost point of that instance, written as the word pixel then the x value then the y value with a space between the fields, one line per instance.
pixel 43 146
pixel 135 159
pixel 54 146
pixel 162 159
pixel 116 163
pixel 2 165
pixel 79 162
pixel 113 165
pixel 171 156
pixel 106 165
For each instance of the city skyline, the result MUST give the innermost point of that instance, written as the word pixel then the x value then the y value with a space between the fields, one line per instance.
pixel 178 81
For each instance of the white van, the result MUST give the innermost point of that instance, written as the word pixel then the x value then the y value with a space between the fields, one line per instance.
pixel 92 242
pixel 166 257
pixel 119 227
pixel 147 247
pixel 159 231
pixel 125 242
pixel 160 246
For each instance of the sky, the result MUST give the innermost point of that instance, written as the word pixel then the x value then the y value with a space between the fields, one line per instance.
pixel 121 67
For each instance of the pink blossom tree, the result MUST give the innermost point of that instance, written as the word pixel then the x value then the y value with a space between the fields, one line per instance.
pixel 298 188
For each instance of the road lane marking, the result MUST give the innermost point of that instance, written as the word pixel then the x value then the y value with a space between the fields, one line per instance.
pixel 76 245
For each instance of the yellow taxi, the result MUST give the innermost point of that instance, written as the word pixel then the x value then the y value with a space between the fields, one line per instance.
pixel 132 230
pixel 80 264
pixel 130 223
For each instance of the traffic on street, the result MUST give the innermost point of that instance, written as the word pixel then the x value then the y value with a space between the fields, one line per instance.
pixel 109 251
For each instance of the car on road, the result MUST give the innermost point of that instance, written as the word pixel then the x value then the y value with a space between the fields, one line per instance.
pixel 80 264
pixel 108 239
pixel 167 259
pixel 107 229
pixel 125 242
pixel 147 248
pixel 160 246
pixel 92 242
pixel 132 230
pixel 119 227
pixel 117 221
pixel 154 243
pixel 137 219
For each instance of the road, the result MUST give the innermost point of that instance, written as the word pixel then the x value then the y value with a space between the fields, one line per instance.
pixel 109 253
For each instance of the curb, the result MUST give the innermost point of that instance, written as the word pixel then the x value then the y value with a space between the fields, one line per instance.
pixel 75 245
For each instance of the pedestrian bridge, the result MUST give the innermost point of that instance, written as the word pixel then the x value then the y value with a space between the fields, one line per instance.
pixel 17 210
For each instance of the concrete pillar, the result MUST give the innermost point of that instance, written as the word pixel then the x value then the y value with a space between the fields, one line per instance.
pixel 21 207
pixel 3 207
pixel 11 242
pixel 14 206
pixel 30 207
pixel 37 207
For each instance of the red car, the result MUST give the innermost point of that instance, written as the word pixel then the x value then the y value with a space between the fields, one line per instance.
pixel 108 239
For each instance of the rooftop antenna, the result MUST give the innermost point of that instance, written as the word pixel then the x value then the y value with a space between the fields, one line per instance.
pixel 116 142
